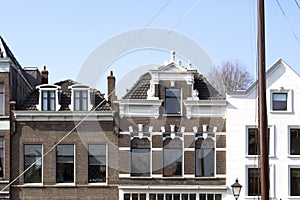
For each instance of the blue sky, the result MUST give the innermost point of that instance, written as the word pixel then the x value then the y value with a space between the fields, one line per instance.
pixel 62 34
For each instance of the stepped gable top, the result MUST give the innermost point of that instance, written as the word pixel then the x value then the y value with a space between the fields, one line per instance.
pixel 205 90
pixel 65 98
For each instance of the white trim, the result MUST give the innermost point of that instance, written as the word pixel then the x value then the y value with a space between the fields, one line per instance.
pixel 124 148
pixel 80 87
pixel 289 101
pixel 272 152
pixel 5 125
pixel 272 180
pixel 48 87
pixel 289 181
pixel 63 116
pixel 174 187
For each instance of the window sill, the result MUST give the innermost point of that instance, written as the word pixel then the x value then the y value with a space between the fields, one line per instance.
pixel 172 115
pixel 65 185
pixel 4 181
pixel 293 156
pixel 97 184
pixel 33 184
pixel 281 111
pixel 256 156
pixel 293 197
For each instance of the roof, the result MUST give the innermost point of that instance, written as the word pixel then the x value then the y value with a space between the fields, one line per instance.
pixel 205 90
pixel 98 99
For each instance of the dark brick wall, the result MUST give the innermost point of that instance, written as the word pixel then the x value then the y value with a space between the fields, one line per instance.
pixel 48 134
pixel 189 162
pixel 221 162
pixel 66 193
pixel 221 141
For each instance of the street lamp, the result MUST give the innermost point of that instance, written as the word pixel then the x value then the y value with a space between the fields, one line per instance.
pixel 236 189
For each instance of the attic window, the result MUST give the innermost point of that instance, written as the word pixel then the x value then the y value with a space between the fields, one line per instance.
pixel 48 97
pixel 80 98
pixel 173 100
pixel 281 100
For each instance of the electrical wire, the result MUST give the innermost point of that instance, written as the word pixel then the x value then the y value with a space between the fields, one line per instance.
pixel 286 18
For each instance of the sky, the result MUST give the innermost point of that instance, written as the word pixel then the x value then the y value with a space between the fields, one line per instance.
pixel 63 34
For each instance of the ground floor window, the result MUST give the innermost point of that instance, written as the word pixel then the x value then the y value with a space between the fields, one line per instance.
pixel 172 196
pixel 295 181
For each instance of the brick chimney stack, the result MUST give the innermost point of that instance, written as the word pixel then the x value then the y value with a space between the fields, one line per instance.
pixel 45 74
pixel 111 86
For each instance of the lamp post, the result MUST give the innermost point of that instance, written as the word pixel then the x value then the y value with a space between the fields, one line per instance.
pixel 236 189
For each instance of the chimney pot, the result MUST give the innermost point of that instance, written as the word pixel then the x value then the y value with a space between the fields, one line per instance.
pixel 45 74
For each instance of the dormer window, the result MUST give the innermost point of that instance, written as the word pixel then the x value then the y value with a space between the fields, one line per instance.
pixel 172 100
pixel 48 97
pixel 48 100
pixel 80 98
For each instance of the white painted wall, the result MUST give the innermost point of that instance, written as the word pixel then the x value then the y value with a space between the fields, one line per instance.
pixel 242 111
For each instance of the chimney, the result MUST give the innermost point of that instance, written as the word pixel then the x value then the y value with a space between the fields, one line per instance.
pixel 45 74
pixel 111 86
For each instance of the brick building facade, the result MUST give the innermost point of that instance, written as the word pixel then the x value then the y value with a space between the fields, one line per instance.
pixel 172 137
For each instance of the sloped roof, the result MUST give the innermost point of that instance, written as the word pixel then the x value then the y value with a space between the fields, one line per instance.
pixel 205 90
pixel 65 98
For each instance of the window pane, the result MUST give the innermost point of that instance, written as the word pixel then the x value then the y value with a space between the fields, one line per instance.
pixel 1 157
pixel 202 196
pixel 295 181
pixel 218 197
pixel 142 196
pixel 173 100
pixel 160 196
pixel 204 157
pixel 97 163
pixel 253 141
pixel 295 141
pixel 2 103
pixel 172 157
pixel 33 154
pixel 140 157
pixel 185 197
pixel 126 196
pixel 192 196
pixel 135 196
pixel 152 196
pixel 279 101
pixel 65 163
pixel 168 196
pixel 210 197
pixel 254 182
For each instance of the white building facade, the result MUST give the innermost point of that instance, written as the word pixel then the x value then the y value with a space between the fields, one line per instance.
pixel 283 95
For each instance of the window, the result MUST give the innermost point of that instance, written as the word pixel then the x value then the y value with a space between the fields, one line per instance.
pixel 140 157
pixel 80 100
pixel 173 100
pixel 172 155
pixel 294 141
pixel 295 181
pixel 171 196
pixel 204 157
pixel 254 182
pixel 2 99
pixel 1 158
pixel 279 101
pixel 97 163
pixel 253 141
pixel 48 100
pixel 33 161
pixel 65 163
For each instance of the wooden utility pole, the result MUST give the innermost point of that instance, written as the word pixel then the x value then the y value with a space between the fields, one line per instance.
pixel 262 107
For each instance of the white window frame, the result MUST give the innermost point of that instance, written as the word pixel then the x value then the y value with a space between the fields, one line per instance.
pixel 215 158
pixel 3 178
pixel 181 104
pixel 142 135
pixel 106 165
pixel 289 141
pixel 80 87
pixel 48 87
pixel 289 100
pixel 66 184
pixel 42 160
pixel 272 180
pixel 182 149
pixel 271 144
pixel 289 181
pixel 2 92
